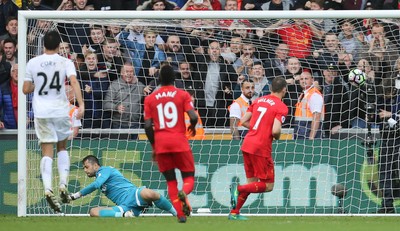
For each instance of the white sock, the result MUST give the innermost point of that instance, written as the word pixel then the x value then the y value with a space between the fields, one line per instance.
pixel 63 164
pixel 46 167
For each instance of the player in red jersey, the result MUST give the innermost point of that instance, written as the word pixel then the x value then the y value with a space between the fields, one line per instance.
pixel 264 119
pixel 165 110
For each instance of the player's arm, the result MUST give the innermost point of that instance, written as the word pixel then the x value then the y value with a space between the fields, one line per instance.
pixel 245 120
pixel 193 122
pixel 100 180
pixel 28 87
pixel 277 129
pixel 78 95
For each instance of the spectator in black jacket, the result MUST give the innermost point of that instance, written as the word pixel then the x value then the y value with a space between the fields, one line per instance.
pixel 5 68
pixel 336 101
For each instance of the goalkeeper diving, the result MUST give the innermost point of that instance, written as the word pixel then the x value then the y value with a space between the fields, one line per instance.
pixel 130 200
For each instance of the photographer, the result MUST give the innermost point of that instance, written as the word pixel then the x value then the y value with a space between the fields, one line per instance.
pixel 388 117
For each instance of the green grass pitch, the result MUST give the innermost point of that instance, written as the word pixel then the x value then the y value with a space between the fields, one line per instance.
pixel 11 223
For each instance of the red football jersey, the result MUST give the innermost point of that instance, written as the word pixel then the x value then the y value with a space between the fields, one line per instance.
pixel 298 39
pixel 167 107
pixel 258 140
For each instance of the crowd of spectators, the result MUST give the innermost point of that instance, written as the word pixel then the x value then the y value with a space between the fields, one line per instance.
pixel 118 64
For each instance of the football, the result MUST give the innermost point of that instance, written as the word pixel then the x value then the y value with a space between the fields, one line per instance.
pixel 356 77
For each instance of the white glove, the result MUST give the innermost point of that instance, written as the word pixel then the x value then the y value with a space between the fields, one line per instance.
pixel 75 196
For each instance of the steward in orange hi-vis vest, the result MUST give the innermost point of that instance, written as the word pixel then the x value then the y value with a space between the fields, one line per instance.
pixel 303 112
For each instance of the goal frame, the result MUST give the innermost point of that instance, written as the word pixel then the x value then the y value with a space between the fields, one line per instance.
pixel 23 17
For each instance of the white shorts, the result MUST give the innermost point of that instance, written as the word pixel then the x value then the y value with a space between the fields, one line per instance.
pixel 52 130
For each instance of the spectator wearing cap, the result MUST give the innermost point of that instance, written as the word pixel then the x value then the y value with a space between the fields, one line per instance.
pixel 336 101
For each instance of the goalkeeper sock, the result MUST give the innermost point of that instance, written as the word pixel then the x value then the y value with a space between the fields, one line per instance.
pixel 109 213
pixel 188 184
pixel 164 204
pixel 254 187
pixel 240 202
pixel 63 164
pixel 173 196
pixel 46 167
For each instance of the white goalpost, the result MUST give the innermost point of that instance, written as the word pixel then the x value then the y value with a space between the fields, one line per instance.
pixel 309 174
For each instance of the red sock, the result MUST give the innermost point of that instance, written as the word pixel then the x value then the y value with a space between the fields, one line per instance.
pixel 254 187
pixel 240 202
pixel 173 196
pixel 188 184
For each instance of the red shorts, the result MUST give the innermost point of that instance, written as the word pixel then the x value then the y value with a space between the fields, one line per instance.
pixel 260 167
pixel 181 160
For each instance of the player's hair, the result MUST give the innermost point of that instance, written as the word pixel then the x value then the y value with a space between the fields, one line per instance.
pixel 91 159
pixel 278 84
pixel 51 40
pixel 167 75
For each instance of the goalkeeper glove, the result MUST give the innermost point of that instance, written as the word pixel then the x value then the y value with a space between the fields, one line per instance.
pixel 75 196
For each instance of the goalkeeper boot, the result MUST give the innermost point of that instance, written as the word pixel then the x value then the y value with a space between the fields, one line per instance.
pixel 53 202
pixel 234 195
pixel 237 217
pixel 186 208
pixel 64 195
pixel 182 219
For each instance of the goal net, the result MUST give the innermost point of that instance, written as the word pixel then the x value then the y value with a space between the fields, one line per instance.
pixel 335 173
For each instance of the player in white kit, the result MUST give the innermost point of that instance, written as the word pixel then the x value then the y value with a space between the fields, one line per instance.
pixel 46 76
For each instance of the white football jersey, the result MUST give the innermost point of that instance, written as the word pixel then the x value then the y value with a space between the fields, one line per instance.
pixel 49 73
